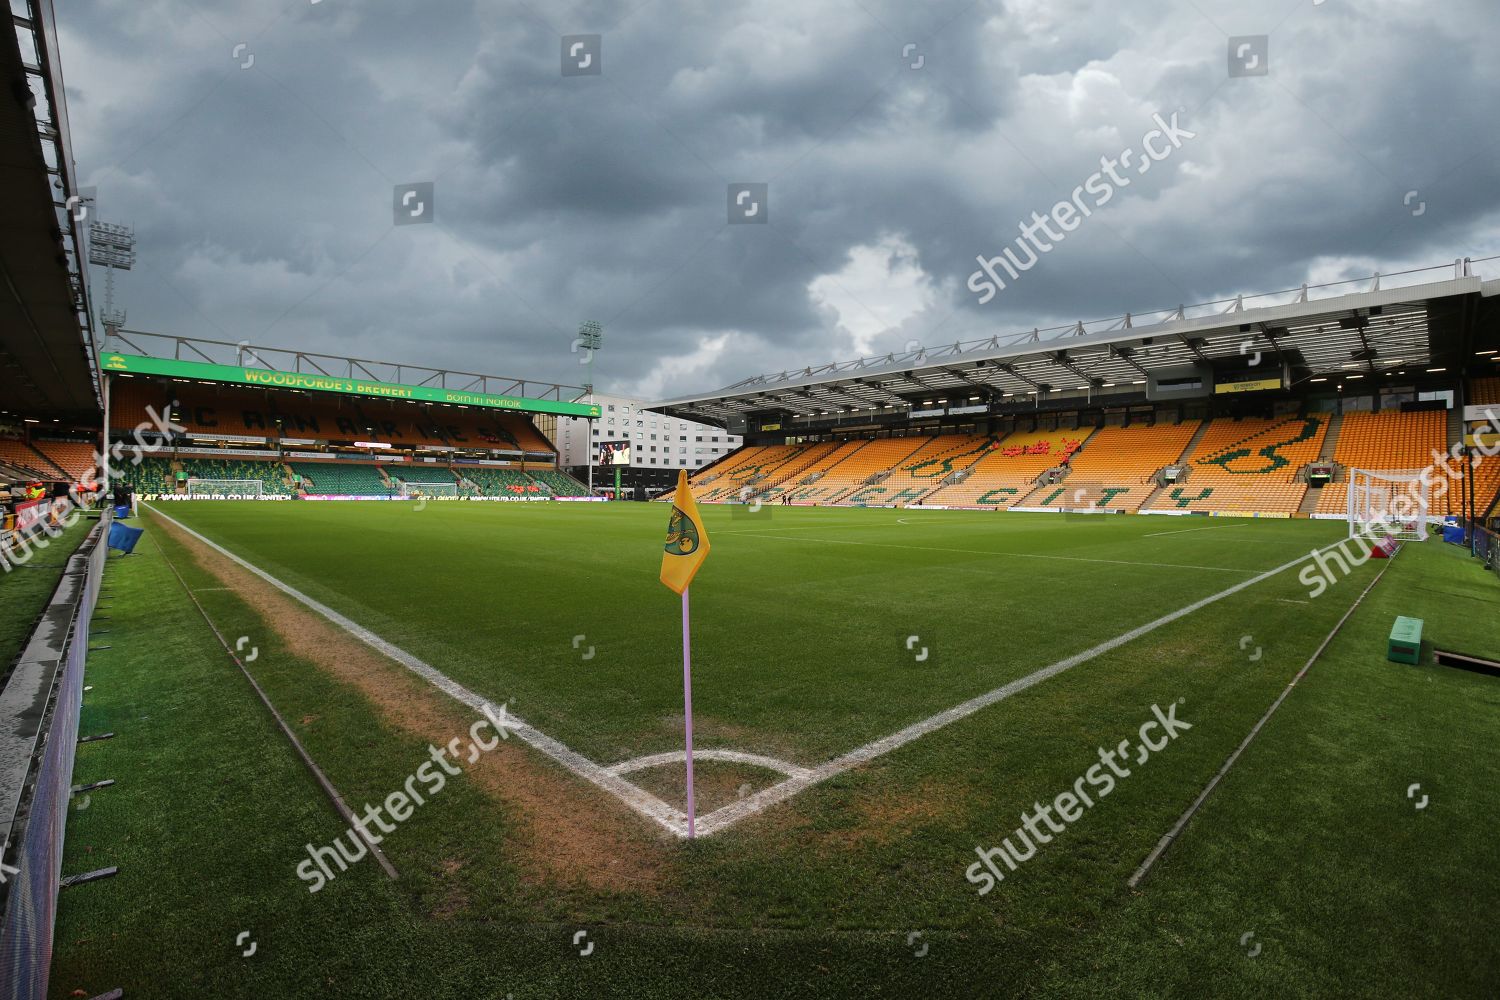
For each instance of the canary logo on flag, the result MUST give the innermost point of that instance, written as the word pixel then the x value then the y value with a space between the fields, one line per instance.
pixel 687 539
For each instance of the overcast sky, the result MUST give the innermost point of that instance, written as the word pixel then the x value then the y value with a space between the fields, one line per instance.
pixel 256 146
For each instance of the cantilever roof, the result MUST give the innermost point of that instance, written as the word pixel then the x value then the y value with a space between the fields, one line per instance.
pixel 46 366
pixel 1348 328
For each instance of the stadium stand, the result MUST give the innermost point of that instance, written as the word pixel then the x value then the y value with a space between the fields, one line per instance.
pixel 760 465
pixel 345 418
pixel 129 399
pixel 342 479
pixel 256 413
pixel 271 474
pixel 159 474
pixel 27 459
pixel 921 472
pixel 1116 469
pixel 754 470
pixel 796 469
pixel 1239 465
pixel 76 458
pixel 821 464
pixel 1009 470
pixel 1386 441
pixel 467 428
pixel 1236 465
pixel 710 477
pixel 560 483
pixel 859 479
pixel 501 482
pixel 259 414
pixel 152 475
pixel 1248 465
pixel 426 472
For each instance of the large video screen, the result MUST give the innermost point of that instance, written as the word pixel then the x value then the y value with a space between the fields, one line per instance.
pixel 614 452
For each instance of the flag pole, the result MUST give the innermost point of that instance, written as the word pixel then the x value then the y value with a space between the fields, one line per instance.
pixel 687 704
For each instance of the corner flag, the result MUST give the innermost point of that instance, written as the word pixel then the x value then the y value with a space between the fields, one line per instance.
pixel 687 539
pixel 686 548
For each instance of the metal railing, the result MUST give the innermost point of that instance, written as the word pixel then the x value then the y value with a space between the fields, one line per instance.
pixel 238 354
pixel 1462 267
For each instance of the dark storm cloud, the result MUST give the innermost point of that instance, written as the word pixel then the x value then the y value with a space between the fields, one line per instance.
pixel 899 140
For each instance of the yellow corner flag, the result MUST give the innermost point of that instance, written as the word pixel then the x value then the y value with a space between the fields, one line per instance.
pixel 687 539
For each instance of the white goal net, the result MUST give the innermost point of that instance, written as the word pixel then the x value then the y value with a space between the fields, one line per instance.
pixel 1387 505
pixel 448 489
pixel 225 489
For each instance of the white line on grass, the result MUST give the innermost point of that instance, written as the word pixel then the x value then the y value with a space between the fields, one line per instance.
pixel 844 525
pixel 637 798
pixel 675 820
pixel 733 813
pixel 725 756
pixel 837 525
pixel 1182 531
pixel 1182 821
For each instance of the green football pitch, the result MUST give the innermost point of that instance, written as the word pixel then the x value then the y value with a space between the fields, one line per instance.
pixel 877 693
pixel 801 616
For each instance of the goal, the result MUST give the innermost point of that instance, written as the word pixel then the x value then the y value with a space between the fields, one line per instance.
pixel 409 490
pixel 222 489
pixel 1387 504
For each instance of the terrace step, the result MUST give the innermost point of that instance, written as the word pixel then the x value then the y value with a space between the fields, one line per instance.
pixel 1456 428
pixel 1192 444
pixel 1310 500
pixel 957 476
pixel 1156 477
pixel 1182 460
pixel 1331 439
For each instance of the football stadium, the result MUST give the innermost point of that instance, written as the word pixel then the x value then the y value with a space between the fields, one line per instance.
pixel 1148 656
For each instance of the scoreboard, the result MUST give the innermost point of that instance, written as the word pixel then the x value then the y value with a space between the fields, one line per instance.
pixel 614 452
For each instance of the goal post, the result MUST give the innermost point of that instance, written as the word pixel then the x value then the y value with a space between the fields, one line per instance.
pixel 1391 504
pixel 410 490
pixel 221 489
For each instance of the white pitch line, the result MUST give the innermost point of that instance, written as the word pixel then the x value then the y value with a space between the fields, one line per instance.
pixel 836 525
pixel 674 820
pixel 726 756
pixel 845 525
pixel 1012 555
pixel 749 806
pixel 637 798
pixel 1182 531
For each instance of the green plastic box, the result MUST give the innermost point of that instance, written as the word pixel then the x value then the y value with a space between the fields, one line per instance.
pixel 1405 645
